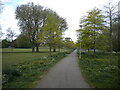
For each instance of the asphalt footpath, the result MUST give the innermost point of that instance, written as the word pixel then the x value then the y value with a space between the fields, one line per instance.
pixel 65 74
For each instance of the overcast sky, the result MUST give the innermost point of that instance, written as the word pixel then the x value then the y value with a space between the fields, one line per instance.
pixel 72 10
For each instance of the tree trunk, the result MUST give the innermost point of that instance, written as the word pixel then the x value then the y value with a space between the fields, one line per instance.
pixel 94 49
pixel 111 39
pixel 33 49
pixel 37 48
pixel 94 43
pixel 54 50
pixel 50 50
pixel 59 49
pixel 94 53
pixel 88 51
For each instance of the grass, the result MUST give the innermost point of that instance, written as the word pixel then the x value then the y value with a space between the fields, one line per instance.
pixel 41 49
pixel 19 55
pixel 24 70
pixel 98 72
pixel 23 49
pixel 9 59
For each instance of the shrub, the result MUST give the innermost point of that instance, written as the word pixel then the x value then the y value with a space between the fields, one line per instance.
pixel 9 74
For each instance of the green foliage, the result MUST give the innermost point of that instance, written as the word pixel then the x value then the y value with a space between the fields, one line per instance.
pixel 31 18
pixel 10 34
pixel 22 41
pixel 53 29
pixel 94 34
pixel 116 36
pixel 98 72
pixel 5 43
pixel 40 25
pixel 9 74
pixel 68 43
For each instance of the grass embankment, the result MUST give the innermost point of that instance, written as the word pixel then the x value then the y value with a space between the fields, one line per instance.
pixel 24 70
pixel 98 72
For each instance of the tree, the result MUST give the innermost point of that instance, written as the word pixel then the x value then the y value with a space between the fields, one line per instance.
pixel 94 32
pixel 110 11
pixel 68 43
pixel 115 37
pixel 5 43
pixel 31 18
pixel 10 35
pixel 116 30
pixel 53 29
pixel 22 41
pixel 62 26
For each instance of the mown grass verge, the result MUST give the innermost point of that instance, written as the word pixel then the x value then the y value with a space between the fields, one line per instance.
pixel 98 72
pixel 27 74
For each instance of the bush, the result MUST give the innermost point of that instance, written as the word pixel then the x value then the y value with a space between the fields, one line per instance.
pixel 9 74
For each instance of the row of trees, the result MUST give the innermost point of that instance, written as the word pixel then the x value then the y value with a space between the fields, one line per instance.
pixel 22 41
pixel 94 33
pixel 100 31
pixel 41 26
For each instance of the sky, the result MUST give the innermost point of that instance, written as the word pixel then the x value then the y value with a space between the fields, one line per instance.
pixel 72 10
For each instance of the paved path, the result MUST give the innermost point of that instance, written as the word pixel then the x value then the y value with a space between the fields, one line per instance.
pixel 65 74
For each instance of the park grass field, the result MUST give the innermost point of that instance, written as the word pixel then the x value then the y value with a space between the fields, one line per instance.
pixel 98 72
pixel 17 55
pixel 23 69
pixel 15 50
pixel 9 59
pixel 23 49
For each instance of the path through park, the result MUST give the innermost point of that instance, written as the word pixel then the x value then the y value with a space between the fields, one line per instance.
pixel 65 74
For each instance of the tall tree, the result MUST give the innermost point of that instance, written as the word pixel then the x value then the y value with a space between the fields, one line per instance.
pixel 94 31
pixel 10 35
pixel 110 11
pixel 53 29
pixel 31 18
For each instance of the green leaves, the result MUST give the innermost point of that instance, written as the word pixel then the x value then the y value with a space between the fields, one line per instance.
pixel 94 32
pixel 53 28
pixel 41 25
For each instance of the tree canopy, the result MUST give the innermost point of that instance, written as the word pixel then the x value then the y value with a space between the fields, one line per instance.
pixel 41 25
pixel 93 35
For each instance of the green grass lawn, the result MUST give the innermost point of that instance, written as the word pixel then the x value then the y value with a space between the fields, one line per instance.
pixel 98 72
pixel 41 49
pixel 18 55
pixel 23 69
pixel 23 49
pixel 9 59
